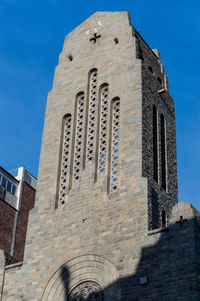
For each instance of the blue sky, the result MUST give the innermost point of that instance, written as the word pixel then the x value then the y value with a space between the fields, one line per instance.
pixel 31 37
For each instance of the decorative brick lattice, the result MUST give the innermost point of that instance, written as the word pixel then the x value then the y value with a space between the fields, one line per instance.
pixel 78 137
pixel 65 161
pixel 91 115
pixel 103 128
pixel 86 291
pixel 115 145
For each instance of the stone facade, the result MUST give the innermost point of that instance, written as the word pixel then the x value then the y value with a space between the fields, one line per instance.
pixel 103 240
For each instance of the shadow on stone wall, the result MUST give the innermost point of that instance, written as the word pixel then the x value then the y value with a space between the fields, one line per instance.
pixel 167 271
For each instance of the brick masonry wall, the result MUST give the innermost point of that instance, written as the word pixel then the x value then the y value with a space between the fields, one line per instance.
pixel 27 203
pixel 99 235
pixel 7 217
pixel 158 198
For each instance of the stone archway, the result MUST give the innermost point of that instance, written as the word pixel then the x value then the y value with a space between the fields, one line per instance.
pixel 87 290
pixel 84 278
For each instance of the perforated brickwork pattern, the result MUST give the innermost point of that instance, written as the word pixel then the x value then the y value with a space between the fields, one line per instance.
pixel 115 145
pixel 103 128
pixel 91 114
pixel 65 161
pixel 78 137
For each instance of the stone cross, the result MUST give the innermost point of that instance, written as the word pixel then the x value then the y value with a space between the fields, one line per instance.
pixel 181 221
pixel 95 37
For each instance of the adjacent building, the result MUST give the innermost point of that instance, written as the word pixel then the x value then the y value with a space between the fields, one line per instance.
pixel 17 198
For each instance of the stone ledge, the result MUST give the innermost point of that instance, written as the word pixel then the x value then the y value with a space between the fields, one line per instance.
pixel 14 265
pixel 163 229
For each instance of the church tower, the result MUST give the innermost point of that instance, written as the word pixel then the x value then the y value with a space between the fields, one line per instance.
pixel 107 176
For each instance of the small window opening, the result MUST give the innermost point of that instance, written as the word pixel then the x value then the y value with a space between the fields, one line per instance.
pixel 4 182
pixel 141 58
pixel 9 184
pixel 155 145
pixel 163 218
pixel 13 189
pixel 70 57
pixel 150 69
pixel 116 40
pixel 159 80
pixel 163 155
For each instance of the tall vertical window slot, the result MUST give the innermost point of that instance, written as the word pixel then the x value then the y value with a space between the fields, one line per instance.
pixel 92 97
pixel 66 134
pixel 114 178
pixel 103 128
pixel 163 153
pixel 163 218
pixel 78 137
pixel 155 145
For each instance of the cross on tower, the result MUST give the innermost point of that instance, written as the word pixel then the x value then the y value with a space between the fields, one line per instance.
pixel 181 221
pixel 95 37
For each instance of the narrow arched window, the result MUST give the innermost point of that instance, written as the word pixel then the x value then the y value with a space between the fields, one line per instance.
pixel 64 165
pixel 164 222
pixel 91 111
pixel 115 135
pixel 163 152
pixel 155 145
pixel 79 113
pixel 103 128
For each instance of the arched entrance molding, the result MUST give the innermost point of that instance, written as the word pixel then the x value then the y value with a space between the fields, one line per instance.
pixel 84 268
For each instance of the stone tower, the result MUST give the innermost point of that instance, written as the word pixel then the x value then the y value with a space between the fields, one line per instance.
pixel 103 227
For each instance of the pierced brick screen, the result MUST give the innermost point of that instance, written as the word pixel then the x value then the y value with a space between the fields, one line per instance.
pixel 65 160
pixel 91 115
pixel 115 145
pixel 78 137
pixel 103 129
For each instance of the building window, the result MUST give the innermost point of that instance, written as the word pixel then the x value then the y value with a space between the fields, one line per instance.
pixel 150 69
pixel 103 128
pixel 4 182
pixel 141 58
pixel 9 185
pixel 66 134
pixel 13 189
pixel 114 178
pixel 159 80
pixel 164 218
pixel 92 97
pixel 163 152
pixel 155 145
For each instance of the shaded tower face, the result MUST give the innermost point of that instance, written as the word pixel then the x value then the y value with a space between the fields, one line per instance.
pixel 159 164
